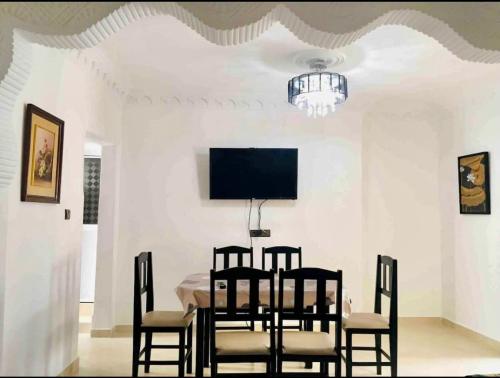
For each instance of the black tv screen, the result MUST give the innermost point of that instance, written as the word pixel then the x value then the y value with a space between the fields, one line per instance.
pixel 258 173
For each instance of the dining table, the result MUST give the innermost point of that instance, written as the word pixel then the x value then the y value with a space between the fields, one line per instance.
pixel 194 294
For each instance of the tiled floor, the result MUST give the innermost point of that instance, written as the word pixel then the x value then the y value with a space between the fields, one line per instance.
pixel 427 348
pixel 86 311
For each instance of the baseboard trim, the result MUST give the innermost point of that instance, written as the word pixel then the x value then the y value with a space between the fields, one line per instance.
pixel 72 369
pixel 124 330
pixel 494 344
pixel 420 319
pixel 101 332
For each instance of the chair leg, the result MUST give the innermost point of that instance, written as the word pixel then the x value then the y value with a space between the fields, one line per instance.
pixel 378 353
pixel 206 340
pixel 264 322
pixel 308 326
pixel 348 349
pixel 147 354
pixel 393 341
pixel 190 349
pixel 338 367
pixel 324 369
pixel 136 349
pixel 213 369
pixel 182 352
pixel 200 329
pixel 252 325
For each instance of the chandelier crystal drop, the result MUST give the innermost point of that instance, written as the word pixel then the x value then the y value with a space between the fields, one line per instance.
pixel 318 92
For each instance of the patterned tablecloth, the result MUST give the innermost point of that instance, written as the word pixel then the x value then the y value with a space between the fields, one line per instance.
pixel 194 292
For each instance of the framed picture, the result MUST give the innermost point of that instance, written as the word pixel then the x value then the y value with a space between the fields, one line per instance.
pixel 42 156
pixel 474 183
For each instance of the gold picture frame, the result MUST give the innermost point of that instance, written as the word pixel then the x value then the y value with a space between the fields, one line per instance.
pixel 42 156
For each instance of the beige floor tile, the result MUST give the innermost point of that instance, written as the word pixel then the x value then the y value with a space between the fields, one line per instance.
pixel 427 348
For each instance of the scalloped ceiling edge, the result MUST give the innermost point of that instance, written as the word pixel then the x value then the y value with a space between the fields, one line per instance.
pixel 17 73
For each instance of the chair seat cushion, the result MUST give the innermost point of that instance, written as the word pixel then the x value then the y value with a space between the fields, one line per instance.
pixel 308 343
pixel 172 319
pixel 365 321
pixel 242 343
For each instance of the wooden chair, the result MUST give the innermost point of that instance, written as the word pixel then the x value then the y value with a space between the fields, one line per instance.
pixel 310 346
pixel 240 253
pixel 277 253
pixel 375 323
pixel 281 257
pixel 241 346
pixel 244 257
pixel 157 322
pixel 233 250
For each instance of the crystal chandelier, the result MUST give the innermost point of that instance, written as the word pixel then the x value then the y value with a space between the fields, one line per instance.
pixel 317 92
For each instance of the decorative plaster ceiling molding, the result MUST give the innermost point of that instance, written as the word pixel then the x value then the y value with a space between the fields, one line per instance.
pixel 174 102
pixel 113 83
pixel 327 25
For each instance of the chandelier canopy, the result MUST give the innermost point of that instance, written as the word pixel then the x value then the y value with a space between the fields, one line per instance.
pixel 317 92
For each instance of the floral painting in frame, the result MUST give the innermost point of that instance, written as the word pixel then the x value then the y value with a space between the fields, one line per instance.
pixel 42 156
pixel 474 183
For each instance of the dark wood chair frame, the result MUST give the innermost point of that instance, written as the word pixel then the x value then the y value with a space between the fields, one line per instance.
pixel 240 253
pixel 226 252
pixel 321 313
pixel 282 251
pixel 276 255
pixel 233 250
pixel 387 285
pixel 233 314
pixel 143 284
pixel 288 253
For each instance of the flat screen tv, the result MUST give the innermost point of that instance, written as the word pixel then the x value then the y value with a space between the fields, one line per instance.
pixel 253 173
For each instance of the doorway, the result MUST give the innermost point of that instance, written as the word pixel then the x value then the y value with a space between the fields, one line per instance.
pixel 91 192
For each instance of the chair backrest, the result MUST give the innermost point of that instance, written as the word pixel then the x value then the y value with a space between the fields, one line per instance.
pixel 250 279
pixel 233 250
pixel 387 285
pixel 321 311
pixel 229 310
pixel 143 284
pixel 278 253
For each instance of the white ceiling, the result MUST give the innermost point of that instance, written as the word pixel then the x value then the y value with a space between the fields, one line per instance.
pixel 163 57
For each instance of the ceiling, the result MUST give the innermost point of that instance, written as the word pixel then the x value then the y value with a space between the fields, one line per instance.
pixel 162 57
pixel 468 29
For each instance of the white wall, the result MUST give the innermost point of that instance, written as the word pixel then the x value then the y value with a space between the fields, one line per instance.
pixel 401 209
pixel 368 184
pixel 164 205
pixel 107 239
pixel 88 262
pixel 42 250
pixel 3 243
pixel 471 243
